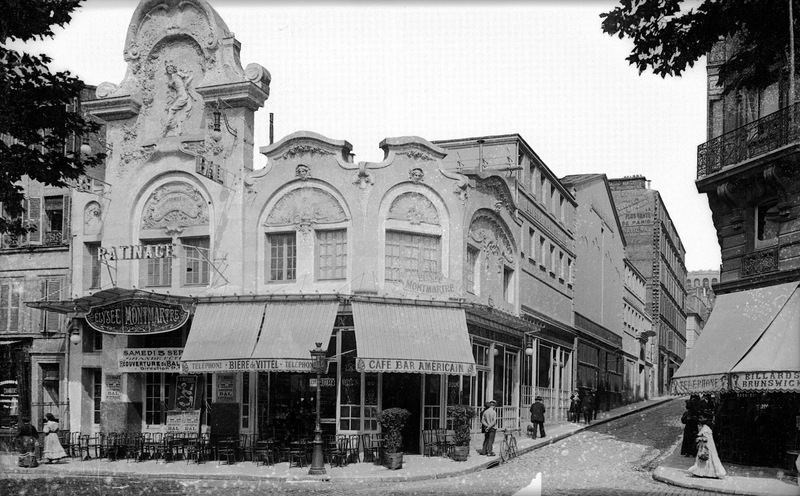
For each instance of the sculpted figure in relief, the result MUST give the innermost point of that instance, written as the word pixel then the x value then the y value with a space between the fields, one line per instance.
pixel 177 113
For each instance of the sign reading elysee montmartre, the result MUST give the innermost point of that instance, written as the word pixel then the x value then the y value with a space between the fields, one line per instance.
pixel 137 316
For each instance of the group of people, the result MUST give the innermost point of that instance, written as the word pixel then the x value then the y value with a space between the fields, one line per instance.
pixel 698 438
pixel 585 406
pixel 28 445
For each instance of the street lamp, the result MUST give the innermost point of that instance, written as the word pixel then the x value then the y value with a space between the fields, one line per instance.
pixel 319 365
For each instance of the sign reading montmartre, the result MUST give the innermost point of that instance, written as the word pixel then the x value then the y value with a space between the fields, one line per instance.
pixel 137 316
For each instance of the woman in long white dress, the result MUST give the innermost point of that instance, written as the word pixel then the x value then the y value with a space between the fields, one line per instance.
pixel 53 451
pixel 711 467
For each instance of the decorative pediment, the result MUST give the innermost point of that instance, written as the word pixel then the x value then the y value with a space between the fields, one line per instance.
pixel 415 208
pixel 488 234
pixel 304 208
pixel 173 207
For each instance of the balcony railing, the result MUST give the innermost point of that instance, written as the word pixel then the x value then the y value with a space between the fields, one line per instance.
pixel 749 141
pixel 759 262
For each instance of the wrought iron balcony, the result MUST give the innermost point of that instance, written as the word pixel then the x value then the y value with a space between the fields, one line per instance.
pixel 752 140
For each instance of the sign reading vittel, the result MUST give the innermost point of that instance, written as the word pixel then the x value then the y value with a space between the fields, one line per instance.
pixel 137 316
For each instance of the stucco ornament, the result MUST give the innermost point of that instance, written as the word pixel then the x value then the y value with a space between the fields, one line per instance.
pixel 92 218
pixel 302 172
pixel 492 239
pixel 304 149
pixel 496 187
pixel 461 189
pixel 173 207
pixel 304 209
pixel 415 208
pixel 178 81
pixel 416 175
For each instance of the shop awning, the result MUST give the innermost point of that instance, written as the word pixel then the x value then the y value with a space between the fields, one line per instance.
pixel 773 363
pixel 291 330
pixel 222 334
pixel 737 323
pixel 416 338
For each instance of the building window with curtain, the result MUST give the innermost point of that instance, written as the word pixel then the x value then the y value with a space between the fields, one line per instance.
pixel 10 292
pixel 331 254
pixel 282 253
pixel 412 255
pixel 196 256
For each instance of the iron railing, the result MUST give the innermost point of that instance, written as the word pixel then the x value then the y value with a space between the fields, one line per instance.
pixel 759 262
pixel 749 141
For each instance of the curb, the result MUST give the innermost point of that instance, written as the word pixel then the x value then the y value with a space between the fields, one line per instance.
pixel 327 478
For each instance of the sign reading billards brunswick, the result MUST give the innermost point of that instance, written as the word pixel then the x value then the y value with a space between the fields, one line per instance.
pixel 137 316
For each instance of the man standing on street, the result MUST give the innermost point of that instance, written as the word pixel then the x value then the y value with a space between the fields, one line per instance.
pixel 489 423
pixel 537 416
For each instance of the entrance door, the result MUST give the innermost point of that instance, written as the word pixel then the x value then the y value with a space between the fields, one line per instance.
pixel 404 391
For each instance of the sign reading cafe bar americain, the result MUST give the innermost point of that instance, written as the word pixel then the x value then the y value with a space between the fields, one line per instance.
pixel 137 316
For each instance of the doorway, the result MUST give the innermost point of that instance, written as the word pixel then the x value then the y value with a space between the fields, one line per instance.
pixel 404 391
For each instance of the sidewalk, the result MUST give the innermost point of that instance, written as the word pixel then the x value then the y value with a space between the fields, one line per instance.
pixel 415 467
pixel 756 481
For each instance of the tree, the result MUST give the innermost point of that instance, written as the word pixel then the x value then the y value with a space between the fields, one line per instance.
pixel 667 39
pixel 37 111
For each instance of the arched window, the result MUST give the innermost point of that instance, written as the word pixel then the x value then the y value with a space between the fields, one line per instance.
pixel 413 238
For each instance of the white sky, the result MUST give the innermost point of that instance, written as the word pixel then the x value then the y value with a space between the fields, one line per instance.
pixel 363 73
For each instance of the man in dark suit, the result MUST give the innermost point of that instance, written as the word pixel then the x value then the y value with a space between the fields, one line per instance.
pixel 537 416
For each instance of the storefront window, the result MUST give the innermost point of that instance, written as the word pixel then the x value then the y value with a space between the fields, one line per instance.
pixel 157 391
pixel 246 400
pixel 544 377
pixel 432 407
pixel 350 390
pixel 509 375
pixel 97 392
pixel 370 402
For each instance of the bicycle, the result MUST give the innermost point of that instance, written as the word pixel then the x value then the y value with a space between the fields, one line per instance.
pixel 508 446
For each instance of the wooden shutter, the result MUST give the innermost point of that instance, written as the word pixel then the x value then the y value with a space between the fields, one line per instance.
pixel 5 304
pixel 66 222
pixel 51 291
pixel 33 218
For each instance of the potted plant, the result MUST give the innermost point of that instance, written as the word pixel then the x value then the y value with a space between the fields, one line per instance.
pixel 392 421
pixel 462 416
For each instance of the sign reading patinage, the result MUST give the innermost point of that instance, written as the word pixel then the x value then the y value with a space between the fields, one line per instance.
pixel 137 316
pixel 113 387
pixel 132 360
pixel 135 252
pixel 183 421
pixel 413 366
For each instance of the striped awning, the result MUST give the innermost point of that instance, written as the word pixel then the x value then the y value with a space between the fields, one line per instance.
pixel 222 334
pixel 412 338
pixel 750 343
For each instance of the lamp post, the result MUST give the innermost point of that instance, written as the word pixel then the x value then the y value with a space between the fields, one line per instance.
pixel 318 364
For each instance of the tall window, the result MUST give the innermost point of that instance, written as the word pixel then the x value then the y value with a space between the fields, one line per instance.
pixel 97 393
pixel 157 391
pixel 433 405
pixel 246 400
pixel 552 258
pixel 543 250
pixel 533 250
pixel 93 265
pixel 50 291
pixel 9 305
pixel 332 254
pixel 411 255
pixel 508 285
pixel 561 265
pixel 159 270
pixel 471 268
pixel 196 256
pixel 282 249
pixel 55 219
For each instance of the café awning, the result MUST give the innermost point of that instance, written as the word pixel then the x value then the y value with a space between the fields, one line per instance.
pixel 738 323
pixel 291 330
pixel 221 335
pixel 412 338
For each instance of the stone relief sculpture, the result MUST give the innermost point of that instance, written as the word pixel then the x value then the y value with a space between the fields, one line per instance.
pixel 92 218
pixel 304 208
pixel 490 236
pixel 416 175
pixel 173 207
pixel 415 208
pixel 177 112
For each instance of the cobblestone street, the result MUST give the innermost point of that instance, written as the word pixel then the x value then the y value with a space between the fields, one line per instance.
pixel 617 457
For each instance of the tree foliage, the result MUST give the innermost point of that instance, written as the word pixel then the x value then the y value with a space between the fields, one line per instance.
pixel 37 112
pixel 667 36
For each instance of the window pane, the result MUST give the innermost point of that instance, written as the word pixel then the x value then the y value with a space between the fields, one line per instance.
pixel 158 270
pixel 282 251
pixel 332 254
pixel 196 256
pixel 411 255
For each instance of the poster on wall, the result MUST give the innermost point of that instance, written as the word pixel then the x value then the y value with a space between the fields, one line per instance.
pixel 183 421
pixel 113 387
pixel 188 393
pixel 225 388
pixel 133 360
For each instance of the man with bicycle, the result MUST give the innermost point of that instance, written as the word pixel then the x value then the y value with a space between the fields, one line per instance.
pixel 489 427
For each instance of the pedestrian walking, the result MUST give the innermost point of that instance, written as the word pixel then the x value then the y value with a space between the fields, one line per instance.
pixel 53 451
pixel 489 427
pixel 537 416
pixel 574 407
pixel 27 440
pixel 596 399
pixel 689 420
pixel 588 406
pixel 707 462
